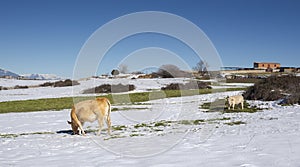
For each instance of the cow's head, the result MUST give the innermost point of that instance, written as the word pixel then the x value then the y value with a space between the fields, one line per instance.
pixel 74 127
pixel 227 100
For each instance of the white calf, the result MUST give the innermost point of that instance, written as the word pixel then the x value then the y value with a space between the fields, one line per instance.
pixel 235 100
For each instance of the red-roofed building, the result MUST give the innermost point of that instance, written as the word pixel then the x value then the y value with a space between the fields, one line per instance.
pixel 265 65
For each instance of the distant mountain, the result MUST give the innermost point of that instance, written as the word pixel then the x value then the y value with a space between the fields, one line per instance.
pixel 5 73
pixel 41 76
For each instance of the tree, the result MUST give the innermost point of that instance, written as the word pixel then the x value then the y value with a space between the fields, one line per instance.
pixel 168 71
pixel 201 67
pixel 115 72
pixel 123 68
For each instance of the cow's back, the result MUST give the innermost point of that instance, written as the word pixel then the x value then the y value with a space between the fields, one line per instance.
pixel 236 99
pixel 86 110
pixel 104 105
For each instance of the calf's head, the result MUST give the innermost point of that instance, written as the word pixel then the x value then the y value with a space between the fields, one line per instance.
pixel 74 127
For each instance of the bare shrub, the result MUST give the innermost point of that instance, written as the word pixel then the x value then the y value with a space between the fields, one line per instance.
pixel 3 88
pixel 172 86
pixel 201 67
pixel 115 72
pixel 64 83
pixel 171 71
pixel 46 84
pixel 123 68
pixel 20 87
pixel 187 86
pixel 106 88
pixel 275 88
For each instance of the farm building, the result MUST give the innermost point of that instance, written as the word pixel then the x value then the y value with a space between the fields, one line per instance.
pixel 265 65
pixel 288 69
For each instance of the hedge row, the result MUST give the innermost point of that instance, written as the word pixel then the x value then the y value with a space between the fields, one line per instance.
pixel 286 88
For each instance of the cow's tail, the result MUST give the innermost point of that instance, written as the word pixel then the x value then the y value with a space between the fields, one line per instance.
pixel 76 120
pixel 108 121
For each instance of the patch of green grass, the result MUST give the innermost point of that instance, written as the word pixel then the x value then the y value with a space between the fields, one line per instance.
pixel 162 123
pixel 190 122
pixel 119 127
pixel 219 119
pixel 247 110
pixel 129 108
pixel 114 109
pixel 114 137
pixel 271 118
pixel 11 135
pixel 140 125
pixel 136 134
pixel 138 129
pixel 39 104
pixel 67 102
pixel 141 103
pixel 198 121
pixel 36 133
pixel 186 122
pixel 216 106
pixel 243 80
pixel 220 105
pixel 235 123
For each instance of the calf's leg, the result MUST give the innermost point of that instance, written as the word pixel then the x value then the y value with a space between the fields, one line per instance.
pixel 100 123
pixel 108 123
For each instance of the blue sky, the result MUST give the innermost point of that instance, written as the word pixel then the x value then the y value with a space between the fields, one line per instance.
pixel 46 36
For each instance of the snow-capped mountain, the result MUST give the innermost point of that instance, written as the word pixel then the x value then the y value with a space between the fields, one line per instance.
pixel 4 73
pixel 41 76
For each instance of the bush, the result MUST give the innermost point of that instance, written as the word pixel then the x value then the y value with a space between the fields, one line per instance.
pixel 64 83
pixel 3 88
pixel 187 86
pixel 115 72
pixel 46 84
pixel 275 88
pixel 20 87
pixel 172 86
pixel 106 88
pixel 171 71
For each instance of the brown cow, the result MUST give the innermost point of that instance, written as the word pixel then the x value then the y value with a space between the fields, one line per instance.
pixel 90 111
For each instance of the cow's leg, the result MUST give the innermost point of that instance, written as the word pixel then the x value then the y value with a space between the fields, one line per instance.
pixel 233 106
pixel 100 123
pixel 108 123
pixel 80 124
pixel 242 105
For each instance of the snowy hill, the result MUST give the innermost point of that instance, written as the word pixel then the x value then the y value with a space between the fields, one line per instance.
pixel 8 73
pixel 41 76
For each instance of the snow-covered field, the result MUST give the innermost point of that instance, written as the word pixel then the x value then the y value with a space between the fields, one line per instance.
pixel 53 92
pixel 141 138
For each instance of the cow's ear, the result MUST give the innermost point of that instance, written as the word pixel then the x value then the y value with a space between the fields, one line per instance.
pixel 69 122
